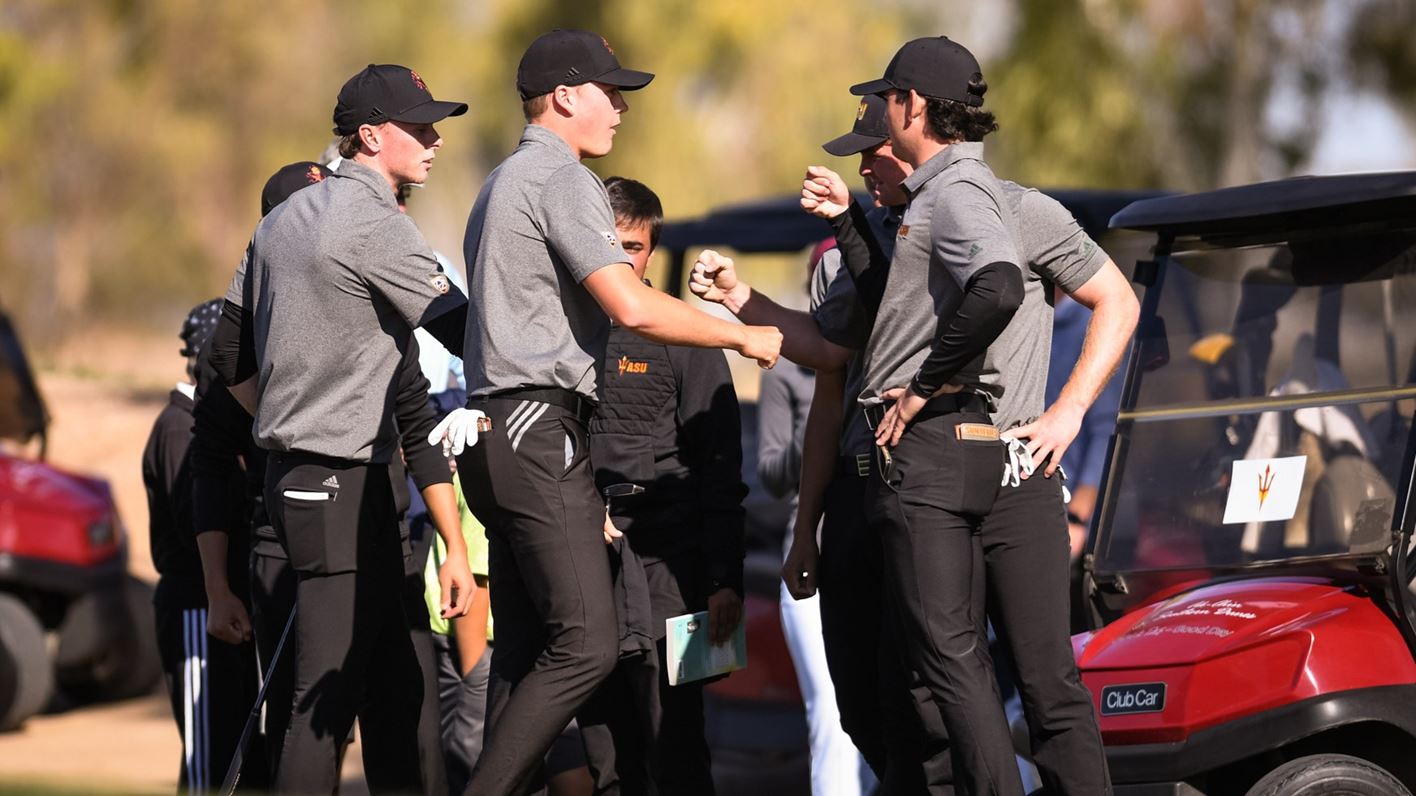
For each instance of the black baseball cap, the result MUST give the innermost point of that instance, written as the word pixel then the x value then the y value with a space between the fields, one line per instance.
pixel 289 180
pixel 388 92
pixel 935 67
pixel 198 326
pixel 869 130
pixel 570 58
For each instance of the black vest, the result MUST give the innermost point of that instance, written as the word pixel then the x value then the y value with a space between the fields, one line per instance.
pixel 635 432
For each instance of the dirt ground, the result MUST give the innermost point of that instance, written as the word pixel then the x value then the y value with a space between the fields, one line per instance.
pixel 102 402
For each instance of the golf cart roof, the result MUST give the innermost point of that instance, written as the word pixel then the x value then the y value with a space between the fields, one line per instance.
pixel 1293 203
pixel 768 225
pixel 779 225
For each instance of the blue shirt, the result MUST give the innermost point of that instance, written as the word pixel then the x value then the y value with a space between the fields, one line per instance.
pixel 1086 457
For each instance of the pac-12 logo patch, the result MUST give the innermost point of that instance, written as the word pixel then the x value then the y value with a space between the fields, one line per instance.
pixel 440 283
pixel 610 238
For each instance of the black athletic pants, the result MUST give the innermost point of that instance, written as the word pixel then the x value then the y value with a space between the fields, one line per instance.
pixel 862 647
pixel 529 482
pixel 463 699
pixel 1026 556
pixel 642 735
pixel 425 646
pixel 211 685
pixel 928 506
pixel 353 655
pixel 272 597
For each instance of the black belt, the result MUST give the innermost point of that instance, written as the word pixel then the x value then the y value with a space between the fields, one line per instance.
pixel 569 400
pixel 323 460
pixel 857 466
pixel 938 405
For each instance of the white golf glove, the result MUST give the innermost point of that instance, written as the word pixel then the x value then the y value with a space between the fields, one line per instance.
pixel 457 431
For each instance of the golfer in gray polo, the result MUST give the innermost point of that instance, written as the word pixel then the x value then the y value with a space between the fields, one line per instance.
pixel 547 274
pixel 334 281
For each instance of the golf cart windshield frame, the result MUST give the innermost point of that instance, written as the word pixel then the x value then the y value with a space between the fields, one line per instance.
pixel 23 415
pixel 1191 238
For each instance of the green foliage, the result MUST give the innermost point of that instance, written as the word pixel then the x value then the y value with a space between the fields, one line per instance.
pixel 140 132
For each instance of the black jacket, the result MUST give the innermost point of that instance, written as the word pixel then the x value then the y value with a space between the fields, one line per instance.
pixel 168 477
pixel 668 421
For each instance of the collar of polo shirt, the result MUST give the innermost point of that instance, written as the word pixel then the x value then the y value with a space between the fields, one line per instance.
pixel 955 152
pixel 354 170
pixel 547 136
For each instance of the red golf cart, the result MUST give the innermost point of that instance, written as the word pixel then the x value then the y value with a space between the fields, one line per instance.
pixel 1249 573
pixel 63 569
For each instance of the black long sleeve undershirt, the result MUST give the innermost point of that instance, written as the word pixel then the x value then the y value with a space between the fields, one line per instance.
pixel 862 255
pixel 415 418
pixel 233 346
pixel 449 328
pixel 991 297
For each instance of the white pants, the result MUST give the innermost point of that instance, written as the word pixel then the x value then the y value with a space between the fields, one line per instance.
pixel 837 769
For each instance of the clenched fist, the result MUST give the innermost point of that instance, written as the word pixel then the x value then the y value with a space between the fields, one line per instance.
pixel 762 343
pixel 714 278
pixel 824 193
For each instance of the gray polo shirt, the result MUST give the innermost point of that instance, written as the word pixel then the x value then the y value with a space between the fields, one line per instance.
pixel 960 219
pixel 842 319
pixel 541 224
pixel 340 279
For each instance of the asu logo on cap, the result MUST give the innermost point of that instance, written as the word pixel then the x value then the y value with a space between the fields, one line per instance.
pixel 860 112
pixel 606 42
pixel 417 81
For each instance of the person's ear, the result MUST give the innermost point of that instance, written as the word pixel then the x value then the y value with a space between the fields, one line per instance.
pixel 564 99
pixel 371 136
pixel 914 105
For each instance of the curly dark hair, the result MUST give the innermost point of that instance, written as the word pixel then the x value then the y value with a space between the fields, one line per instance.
pixel 956 121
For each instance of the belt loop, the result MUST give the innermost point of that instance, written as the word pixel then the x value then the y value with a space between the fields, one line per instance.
pixel 862 461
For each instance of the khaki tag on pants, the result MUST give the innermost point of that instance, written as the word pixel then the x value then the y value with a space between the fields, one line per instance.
pixel 976 432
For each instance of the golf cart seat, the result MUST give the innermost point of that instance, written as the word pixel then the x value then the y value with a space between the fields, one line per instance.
pixel 1341 480
pixel 1352 507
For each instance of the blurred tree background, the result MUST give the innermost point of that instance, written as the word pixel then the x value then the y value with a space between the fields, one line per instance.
pixel 139 132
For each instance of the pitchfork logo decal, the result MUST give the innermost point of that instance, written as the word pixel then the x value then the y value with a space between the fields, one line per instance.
pixel 1264 490
pixel 1265 485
